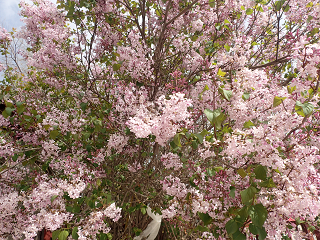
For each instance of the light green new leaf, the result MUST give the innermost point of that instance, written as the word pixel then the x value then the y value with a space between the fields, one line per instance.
pixel 277 101
pixel 63 235
pixel 221 73
pixel 279 5
pixel 176 139
pixel 248 124
pixel 227 94
pixel 249 11
pixel 267 184
pixel 212 115
pixel 55 234
pixel 242 172
pixel 245 96
pixel 291 89
pixel 310 4
pixel 53 198
pixel 215 117
pixel 303 109
pixel 206 88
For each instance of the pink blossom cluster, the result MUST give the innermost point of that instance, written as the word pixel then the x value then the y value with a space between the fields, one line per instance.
pixel 171 160
pixel 163 124
pixel 4 35
pixel 108 85
pixel 95 222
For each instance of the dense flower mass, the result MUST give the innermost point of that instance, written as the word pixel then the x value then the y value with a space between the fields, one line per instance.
pixel 201 115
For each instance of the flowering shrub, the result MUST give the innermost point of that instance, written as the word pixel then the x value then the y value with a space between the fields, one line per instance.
pixel 205 111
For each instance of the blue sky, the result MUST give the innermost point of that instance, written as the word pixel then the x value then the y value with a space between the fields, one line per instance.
pixel 9 14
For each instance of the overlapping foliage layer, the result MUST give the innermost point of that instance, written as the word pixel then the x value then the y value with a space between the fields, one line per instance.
pixel 207 111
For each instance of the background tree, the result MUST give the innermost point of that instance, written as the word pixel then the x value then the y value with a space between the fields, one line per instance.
pixel 205 111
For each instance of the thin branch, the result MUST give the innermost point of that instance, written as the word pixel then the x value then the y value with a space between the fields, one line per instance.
pixel 280 60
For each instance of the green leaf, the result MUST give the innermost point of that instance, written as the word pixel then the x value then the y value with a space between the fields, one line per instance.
pixel 253 229
pixel 248 124
pixel 286 8
pixel 310 4
pixel 291 89
pixel 242 214
pixel 279 5
pixel 227 94
pixel 69 208
pixel 63 235
pixel 221 73
pixel 309 18
pixel 226 46
pixel 55 234
pixel 116 67
pixel 242 172
pixel 258 214
pixel 176 139
pixel 206 88
pixel 314 31
pixel 86 135
pixel 9 110
pixel 202 229
pixel 53 134
pixel 83 106
pixel 259 8
pixel 258 231
pixel 249 11
pixel 75 233
pixel 277 101
pixel 262 233
pixel 76 20
pixel 238 236
pixel 212 3
pixel 261 172
pixel 303 109
pixel 231 227
pixel 200 137
pixel 19 104
pixel 215 117
pixel 248 194
pixel 245 96
pixel 232 192
pixel 15 157
pixel 20 107
pixel 143 210
pixel 267 184
pixel 206 219
pixel 76 209
pixel 53 198
pixel 8 104
pixel 5 114
pixel 212 115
